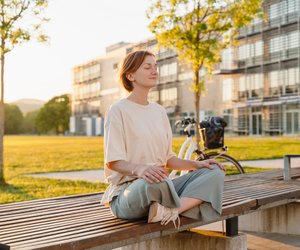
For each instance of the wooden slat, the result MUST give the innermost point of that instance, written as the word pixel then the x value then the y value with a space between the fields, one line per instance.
pixel 240 207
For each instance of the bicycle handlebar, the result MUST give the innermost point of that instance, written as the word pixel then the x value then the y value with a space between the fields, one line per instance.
pixel 185 121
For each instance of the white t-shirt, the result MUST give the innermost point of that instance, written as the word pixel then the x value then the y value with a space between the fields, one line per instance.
pixel 135 133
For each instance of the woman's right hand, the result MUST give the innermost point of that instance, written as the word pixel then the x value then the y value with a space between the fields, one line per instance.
pixel 151 173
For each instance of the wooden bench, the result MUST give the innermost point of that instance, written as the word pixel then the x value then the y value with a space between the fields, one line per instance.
pixel 80 222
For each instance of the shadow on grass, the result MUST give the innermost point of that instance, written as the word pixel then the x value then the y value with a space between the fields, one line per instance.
pixel 10 190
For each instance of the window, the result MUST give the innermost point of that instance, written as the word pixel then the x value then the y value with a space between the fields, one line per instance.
pixel 242 52
pixel 256 20
pixel 293 6
pixel 287 41
pixel 227 58
pixel 275 83
pixel 293 40
pixel 274 10
pixel 275 44
pixel 283 8
pixel 291 80
pixel 259 48
pixel 228 117
pixel 168 69
pixel 242 83
pixel 274 79
pixel 94 71
pixel 168 97
pixel 243 120
pixel 227 89
pixel 154 96
pixel 250 50
pixel 76 76
pixel 242 87
pixel 256 83
pixel 275 121
pixel 168 72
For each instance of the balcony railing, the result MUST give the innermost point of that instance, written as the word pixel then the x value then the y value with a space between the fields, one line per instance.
pixel 166 54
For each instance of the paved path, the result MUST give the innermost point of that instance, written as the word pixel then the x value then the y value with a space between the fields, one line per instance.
pixel 98 175
pixel 85 175
pixel 275 163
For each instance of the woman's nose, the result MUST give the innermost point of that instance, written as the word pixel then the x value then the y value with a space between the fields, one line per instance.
pixel 154 71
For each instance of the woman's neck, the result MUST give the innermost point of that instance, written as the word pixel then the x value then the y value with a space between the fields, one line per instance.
pixel 140 97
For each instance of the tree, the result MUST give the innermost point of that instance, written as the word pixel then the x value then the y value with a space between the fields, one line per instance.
pixel 29 123
pixel 13 119
pixel 198 30
pixel 55 115
pixel 20 21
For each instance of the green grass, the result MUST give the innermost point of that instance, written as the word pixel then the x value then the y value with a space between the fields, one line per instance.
pixel 38 154
pixel 26 188
pixel 255 148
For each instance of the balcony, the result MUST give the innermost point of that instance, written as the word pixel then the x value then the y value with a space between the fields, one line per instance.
pixel 166 54
pixel 168 78
pixel 249 62
pixel 284 20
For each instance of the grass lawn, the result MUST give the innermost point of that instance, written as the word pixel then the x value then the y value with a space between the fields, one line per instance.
pixel 37 154
pixel 256 148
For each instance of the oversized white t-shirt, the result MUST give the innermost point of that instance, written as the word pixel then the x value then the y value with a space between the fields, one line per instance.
pixel 135 133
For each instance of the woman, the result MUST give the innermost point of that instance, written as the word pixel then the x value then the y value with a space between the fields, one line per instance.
pixel 138 154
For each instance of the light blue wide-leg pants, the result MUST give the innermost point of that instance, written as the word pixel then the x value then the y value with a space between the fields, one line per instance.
pixel 204 184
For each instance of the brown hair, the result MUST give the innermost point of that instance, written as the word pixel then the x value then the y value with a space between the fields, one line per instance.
pixel 130 64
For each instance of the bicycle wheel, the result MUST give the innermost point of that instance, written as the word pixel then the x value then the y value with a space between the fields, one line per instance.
pixel 232 166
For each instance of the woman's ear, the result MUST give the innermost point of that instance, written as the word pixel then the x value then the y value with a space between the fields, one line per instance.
pixel 130 77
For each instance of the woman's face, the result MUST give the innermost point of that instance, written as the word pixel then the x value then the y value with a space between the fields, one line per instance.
pixel 146 75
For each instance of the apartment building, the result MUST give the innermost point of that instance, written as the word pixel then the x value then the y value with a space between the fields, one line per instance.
pixel 261 83
pixel 256 88
pixel 95 87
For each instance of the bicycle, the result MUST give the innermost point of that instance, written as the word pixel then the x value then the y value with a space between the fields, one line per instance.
pixel 206 151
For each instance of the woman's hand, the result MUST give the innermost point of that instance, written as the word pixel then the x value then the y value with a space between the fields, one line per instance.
pixel 152 173
pixel 208 164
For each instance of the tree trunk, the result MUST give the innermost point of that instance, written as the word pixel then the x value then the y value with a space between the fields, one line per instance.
pixel 197 92
pixel 2 181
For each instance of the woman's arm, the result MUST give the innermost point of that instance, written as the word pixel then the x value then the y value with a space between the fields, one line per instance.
pixel 150 173
pixel 181 164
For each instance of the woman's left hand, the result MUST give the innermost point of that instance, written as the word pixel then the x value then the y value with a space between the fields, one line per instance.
pixel 208 164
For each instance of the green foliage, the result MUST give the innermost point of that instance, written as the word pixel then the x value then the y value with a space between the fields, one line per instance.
pixel 21 21
pixel 54 115
pixel 13 119
pixel 29 123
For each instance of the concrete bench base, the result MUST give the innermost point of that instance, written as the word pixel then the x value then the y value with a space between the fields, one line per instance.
pixel 192 240
pixel 283 219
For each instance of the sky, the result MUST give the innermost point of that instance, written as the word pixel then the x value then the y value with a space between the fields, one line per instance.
pixel 79 30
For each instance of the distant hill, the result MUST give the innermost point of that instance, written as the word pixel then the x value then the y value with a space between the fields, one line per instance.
pixel 27 105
